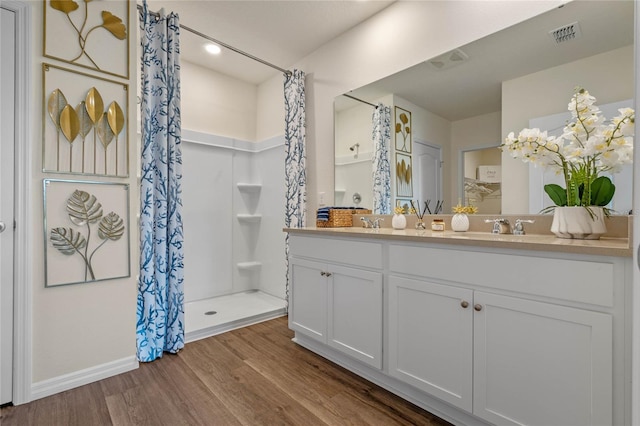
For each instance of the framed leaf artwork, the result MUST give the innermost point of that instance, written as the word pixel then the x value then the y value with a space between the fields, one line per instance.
pixel 90 34
pixel 403 130
pixel 84 124
pixel 86 231
pixel 404 175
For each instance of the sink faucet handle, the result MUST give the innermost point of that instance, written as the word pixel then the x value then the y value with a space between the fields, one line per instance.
pixel 518 228
pixel 500 225
pixel 376 222
pixel 366 223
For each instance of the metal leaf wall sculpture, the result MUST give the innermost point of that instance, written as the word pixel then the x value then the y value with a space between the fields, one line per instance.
pixel 85 210
pixel 110 23
pixel 88 115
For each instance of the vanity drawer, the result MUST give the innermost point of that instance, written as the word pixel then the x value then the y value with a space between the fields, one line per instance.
pixel 583 281
pixel 335 250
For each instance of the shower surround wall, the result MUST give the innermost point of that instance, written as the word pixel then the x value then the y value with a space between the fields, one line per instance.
pixel 233 232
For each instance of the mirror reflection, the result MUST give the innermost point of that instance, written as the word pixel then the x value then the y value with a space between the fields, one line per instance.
pixel 464 102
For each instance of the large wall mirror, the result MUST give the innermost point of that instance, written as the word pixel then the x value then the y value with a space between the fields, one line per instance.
pixel 464 102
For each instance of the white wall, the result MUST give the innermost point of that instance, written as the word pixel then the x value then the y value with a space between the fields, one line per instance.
pixel 84 326
pixel 217 104
pixel 608 76
pixel 369 52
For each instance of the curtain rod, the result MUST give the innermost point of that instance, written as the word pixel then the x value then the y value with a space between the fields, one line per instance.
pixel 360 100
pixel 223 44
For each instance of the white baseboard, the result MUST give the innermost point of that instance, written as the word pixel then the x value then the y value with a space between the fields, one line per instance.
pixel 82 377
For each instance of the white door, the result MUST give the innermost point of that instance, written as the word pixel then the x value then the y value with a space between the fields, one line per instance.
pixel 430 338
pixel 7 132
pixel 541 364
pixel 429 184
pixel 308 298
pixel 354 324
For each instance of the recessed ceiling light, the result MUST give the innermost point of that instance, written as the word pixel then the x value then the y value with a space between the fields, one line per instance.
pixel 214 49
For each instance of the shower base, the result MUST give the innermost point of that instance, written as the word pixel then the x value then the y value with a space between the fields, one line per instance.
pixel 208 317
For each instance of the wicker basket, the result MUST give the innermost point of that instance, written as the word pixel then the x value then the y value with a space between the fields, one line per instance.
pixel 340 218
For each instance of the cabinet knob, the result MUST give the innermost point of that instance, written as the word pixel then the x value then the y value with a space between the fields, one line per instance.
pixel 328 274
pixel 477 307
pixel 464 304
pixel 323 273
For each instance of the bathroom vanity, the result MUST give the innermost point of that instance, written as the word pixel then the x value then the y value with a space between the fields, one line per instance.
pixel 474 327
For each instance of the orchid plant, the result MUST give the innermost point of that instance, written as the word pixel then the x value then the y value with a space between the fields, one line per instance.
pixel 588 147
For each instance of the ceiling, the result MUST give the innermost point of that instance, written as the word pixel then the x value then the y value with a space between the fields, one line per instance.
pixel 279 32
pixel 474 87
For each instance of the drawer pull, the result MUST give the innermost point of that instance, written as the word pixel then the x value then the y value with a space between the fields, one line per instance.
pixel 323 273
pixel 464 304
pixel 328 274
pixel 477 307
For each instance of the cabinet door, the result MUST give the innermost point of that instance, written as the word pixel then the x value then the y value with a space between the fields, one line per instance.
pixel 541 364
pixel 355 313
pixel 308 298
pixel 430 338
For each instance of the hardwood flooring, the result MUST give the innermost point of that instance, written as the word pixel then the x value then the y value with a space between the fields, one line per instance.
pixel 251 376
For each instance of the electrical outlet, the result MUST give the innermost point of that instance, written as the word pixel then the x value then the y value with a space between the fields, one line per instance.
pixel 321 199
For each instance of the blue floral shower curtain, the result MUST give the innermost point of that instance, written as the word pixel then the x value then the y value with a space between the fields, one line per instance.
pixel 160 312
pixel 295 170
pixel 381 169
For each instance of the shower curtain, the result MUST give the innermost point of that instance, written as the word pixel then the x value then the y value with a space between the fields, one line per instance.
pixel 295 171
pixel 381 169
pixel 160 311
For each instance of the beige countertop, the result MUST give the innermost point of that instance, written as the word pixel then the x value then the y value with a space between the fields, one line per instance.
pixel 607 246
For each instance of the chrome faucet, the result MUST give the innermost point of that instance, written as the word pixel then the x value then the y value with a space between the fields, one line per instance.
pixel 518 228
pixel 500 226
pixel 376 222
pixel 366 223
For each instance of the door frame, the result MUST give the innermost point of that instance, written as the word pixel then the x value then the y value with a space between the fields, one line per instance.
pixel 22 293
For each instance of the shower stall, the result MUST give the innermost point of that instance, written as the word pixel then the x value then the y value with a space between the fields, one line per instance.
pixel 233 214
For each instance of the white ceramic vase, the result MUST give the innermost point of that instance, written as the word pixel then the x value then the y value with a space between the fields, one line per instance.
pixel 460 222
pixel 578 223
pixel 398 221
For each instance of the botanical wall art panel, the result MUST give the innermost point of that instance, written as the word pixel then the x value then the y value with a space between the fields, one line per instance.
pixel 91 34
pixel 86 231
pixel 404 173
pixel 84 124
pixel 403 130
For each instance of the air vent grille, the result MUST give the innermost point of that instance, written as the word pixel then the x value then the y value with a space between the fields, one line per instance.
pixel 566 33
pixel 448 60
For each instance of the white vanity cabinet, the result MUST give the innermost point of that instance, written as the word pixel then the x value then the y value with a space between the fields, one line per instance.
pixel 513 344
pixel 475 335
pixel 338 305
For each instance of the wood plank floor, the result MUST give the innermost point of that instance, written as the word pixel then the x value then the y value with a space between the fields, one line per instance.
pixel 251 376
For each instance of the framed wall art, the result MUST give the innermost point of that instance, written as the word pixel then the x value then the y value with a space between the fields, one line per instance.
pixel 403 130
pixel 90 34
pixel 84 124
pixel 404 174
pixel 86 231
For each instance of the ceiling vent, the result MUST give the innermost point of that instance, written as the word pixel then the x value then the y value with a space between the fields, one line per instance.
pixel 566 33
pixel 448 60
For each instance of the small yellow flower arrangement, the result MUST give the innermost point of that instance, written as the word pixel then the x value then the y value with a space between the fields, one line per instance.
pixel 398 210
pixel 459 208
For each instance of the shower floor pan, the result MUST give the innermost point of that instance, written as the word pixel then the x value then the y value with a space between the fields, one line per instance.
pixel 208 317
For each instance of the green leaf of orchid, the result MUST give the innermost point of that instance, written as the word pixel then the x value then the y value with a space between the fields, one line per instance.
pixel 557 194
pixel 66 6
pixel 114 25
pixel 602 191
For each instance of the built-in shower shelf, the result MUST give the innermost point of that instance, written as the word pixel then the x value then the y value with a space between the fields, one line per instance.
pixel 249 187
pixel 249 266
pixel 249 217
